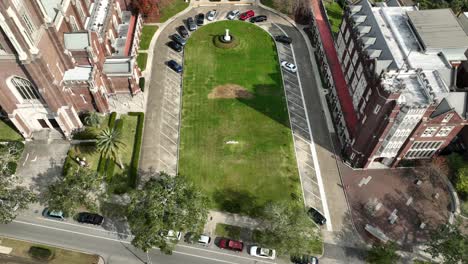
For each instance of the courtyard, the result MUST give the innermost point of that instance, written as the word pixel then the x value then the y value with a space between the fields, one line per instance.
pixel 236 143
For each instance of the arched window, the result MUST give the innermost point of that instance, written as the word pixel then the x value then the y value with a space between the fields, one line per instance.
pixel 25 88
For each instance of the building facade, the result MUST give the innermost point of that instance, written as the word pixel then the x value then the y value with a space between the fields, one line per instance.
pixel 401 77
pixel 62 57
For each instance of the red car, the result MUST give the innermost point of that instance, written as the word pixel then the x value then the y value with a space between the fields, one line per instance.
pixel 231 244
pixel 246 15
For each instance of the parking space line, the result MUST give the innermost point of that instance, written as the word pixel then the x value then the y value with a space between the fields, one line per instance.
pixel 168 137
pixel 168 151
pixel 169 125
pixel 164 109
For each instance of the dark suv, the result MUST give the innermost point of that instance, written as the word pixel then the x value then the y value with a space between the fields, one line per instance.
pixel 191 24
pixel 90 218
pixel 200 19
pixel 283 39
pixel 258 19
pixel 177 38
pixel 174 66
pixel 317 216
pixel 175 46
pixel 183 31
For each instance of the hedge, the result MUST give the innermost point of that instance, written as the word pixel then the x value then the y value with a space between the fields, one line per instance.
pixel 112 118
pixel 110 165
pixel 102 165
pixel 141 83
pixel 40 253
pixel 133 173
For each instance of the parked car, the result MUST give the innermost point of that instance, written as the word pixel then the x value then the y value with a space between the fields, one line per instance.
pixel 233 245
pixel 317 216
pixel 57 215
pixel 304 259
pixel 191 24
pixel 246 15
pixel 233 14
pixel 177 38
pixel 175 46
pixel 289 66
pixel 283 39
pixel 257 19
pixel 200 19
pixel 174 66
pixel 173 235
pixel 90 218
pixel 183 31
pixel 262 252
pixel 203 240
pixel 211 15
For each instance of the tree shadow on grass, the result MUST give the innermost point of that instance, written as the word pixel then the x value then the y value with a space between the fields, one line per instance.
pixel 237 202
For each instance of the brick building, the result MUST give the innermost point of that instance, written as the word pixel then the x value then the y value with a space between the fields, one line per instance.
pixel 61 57
pixel 400 65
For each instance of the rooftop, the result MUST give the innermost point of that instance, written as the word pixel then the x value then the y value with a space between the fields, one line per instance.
pixel 99 14
pixel 51 6
pixel 82 73
pixel 438 29
pixel 76 40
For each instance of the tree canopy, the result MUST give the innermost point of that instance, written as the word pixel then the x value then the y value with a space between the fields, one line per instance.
pixel 287 229
pixel 457 6
pixel 13 199
pixel 165 203
pixel 383 254
pixel 448 241
pixel 77 188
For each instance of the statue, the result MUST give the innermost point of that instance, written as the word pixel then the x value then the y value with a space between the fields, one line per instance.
pixel 227 37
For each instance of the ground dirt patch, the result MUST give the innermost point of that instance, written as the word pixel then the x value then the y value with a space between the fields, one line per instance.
pixel 229 91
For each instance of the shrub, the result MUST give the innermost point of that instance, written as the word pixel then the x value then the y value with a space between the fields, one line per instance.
pixel 88 133
pixel 119 125
pixel 133 172
pixel 40 253
pixel 141 83
pixel 101 165
pixel 112 118
pixel 110 166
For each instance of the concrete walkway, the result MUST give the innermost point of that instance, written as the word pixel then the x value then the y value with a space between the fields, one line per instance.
pixel 243 221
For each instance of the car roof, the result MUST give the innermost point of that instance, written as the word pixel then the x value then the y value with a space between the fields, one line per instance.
pixel 56 213
pixel 235 244
pixel 204 239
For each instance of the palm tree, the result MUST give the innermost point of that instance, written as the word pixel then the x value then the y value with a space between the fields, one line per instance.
pixel 109 143
pixel 92 119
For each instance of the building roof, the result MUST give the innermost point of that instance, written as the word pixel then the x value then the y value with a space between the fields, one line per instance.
pixel 81 73
pixel 116 66
pixel 50 6
pixel 438 29
pixel 76 40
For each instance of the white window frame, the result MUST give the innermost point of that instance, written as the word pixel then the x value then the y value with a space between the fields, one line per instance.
pixel 444 131
pixel 84 99
pixel 74 24
pixel 24 90
pixel 447 117
pixel 81 11
pixel 429 132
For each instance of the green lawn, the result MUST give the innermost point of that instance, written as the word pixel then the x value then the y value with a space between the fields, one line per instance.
pixel 142 58
pixel 119 182
pixel 229 231
pixel 260 165
pixel 172 8
pixel 7 133
pixel 335 15
pixel 147 34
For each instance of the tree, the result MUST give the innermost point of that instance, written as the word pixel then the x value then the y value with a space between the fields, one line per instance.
pixel 383 254
pixel 287 229
pixel 165 203
pixel 109 143
pixel 13 199
pixel 448 241
pixel 10 152
pixel 92 119
pixel 302 11
pixel 146 7
pixel 462 182
pixel 77 188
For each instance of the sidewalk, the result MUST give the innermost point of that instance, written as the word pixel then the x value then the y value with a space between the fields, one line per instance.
pixel 216 217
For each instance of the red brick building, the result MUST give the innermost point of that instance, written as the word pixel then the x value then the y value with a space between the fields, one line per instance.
pixel 400 65
pixel 61 57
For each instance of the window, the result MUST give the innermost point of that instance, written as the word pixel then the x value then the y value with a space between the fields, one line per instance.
pixel 84 99
pixel 444 131
pixel 74 24
pixel 364 119
pixel 447 117
pixel 429 132
pixel 377 109
pixel 351 46
pixel 30 27
pixel 363 106
pixel 25 88
pixel 81 11
pixel 115 22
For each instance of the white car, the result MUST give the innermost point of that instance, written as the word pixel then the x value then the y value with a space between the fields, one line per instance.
pixel 210 16
pixel 262 252
pixel 173 235
pixel 233 14
pixel 289 66
pixel 204 240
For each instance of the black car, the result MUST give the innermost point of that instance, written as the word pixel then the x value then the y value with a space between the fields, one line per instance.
pixel 175 46
pixel 191 24
pixel 90 218
pixel 283 39
pixel 183 31
pixel 258 19
pixel 177 38
pixel 317 216
pixel 175 66
pixel 200 19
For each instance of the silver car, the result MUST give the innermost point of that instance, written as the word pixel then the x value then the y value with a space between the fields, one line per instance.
pixel 233 14
pixel 210 16
pixel 290 67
